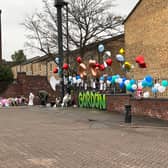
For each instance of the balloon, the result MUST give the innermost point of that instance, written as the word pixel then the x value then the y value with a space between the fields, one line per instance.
pixel 109 61
pixel 144 83
pixel 140 85
pixel 109 78
pixel 82 70
pixel 79 59
pixel 77 77
pixel 121 51
pixel 57 60
pixel 100 48
pixel 142 65
pixel 154 90
pixel 134 86
pixel 120 58
pixel 139 59
pixel 105 64
pixel 94 68
pixel 128 87
pixel 65 66
pixel 55 70
pixel 161 89
pixel 132 81
pixel 127 65
pixel 121 85
pixel 156 85
pixel 149 78
pixel 107 54
pixel 126 82
pixel 146 94
pixel 102 78
pixel 102 67
pixel 164 83
pixel 120 80
pixel 97 65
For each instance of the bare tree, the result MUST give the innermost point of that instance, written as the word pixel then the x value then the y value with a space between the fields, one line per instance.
pixel 89 21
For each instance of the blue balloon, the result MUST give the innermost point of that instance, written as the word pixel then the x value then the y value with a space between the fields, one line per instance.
pixel 109 78
pixel 149 84
pixel 124 79
pixel 121 85
pixel 149 79
pixel 102 78
pixel 100 48
pixel 154 90
pixel 78 77
pixel 144 83
pixel 57 60
pixel 132 81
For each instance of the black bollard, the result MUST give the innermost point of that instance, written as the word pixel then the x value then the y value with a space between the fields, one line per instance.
pixel 128 115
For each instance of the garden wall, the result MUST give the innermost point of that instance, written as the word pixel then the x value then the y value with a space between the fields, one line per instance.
pixel 152 107
pixel 26 84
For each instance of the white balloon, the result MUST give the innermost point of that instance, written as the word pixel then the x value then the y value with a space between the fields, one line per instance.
pixel 161 89
pixel 108 82
pixel 140 85
pixel 120 80
pixel 146 94
pixel 74 80
pixel 105 64
pixel 53 82
pixel 134 86
pixel 108 53
pixel 157 85
pixel 126 82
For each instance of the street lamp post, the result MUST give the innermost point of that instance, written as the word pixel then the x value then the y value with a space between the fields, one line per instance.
pixel 0 39
pixel 59 5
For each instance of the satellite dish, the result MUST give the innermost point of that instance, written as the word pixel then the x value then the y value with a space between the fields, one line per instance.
pixel 54 82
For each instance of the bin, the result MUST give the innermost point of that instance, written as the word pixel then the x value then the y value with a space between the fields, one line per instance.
pixel 128 115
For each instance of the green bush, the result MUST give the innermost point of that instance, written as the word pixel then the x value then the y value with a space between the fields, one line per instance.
pixel 6 74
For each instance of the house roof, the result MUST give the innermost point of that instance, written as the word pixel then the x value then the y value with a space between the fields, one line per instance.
pixel 137 4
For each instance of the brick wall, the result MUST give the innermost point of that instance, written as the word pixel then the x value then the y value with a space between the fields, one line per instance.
pixel 155 108
pixel 26 84
pixel 116 102
pixel 146 34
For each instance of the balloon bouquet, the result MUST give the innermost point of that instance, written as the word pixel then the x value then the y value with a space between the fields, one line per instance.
pixel 100 80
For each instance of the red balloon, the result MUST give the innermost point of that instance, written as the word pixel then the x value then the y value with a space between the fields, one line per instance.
pixel 139 59
pixel 102 67
pixel 55 70
pixel 79 59
pixel 109 61
pixel 97 65
pixel 142 65
pixel 65 66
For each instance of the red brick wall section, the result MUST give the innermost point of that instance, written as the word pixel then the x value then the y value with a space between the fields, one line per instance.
pixel 155 108
pixel 26 84
pixel 117 102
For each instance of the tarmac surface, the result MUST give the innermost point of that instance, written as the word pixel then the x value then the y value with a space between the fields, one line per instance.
pixel 42 137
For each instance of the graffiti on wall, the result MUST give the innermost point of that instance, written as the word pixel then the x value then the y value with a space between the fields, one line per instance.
pixel 92 100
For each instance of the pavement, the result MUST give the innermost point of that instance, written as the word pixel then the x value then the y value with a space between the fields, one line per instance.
pixel 43 137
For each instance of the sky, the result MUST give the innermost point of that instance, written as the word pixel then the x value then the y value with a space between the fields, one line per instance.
pixel 15 12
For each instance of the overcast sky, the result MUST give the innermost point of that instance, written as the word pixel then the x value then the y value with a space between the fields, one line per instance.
pixel 14 13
